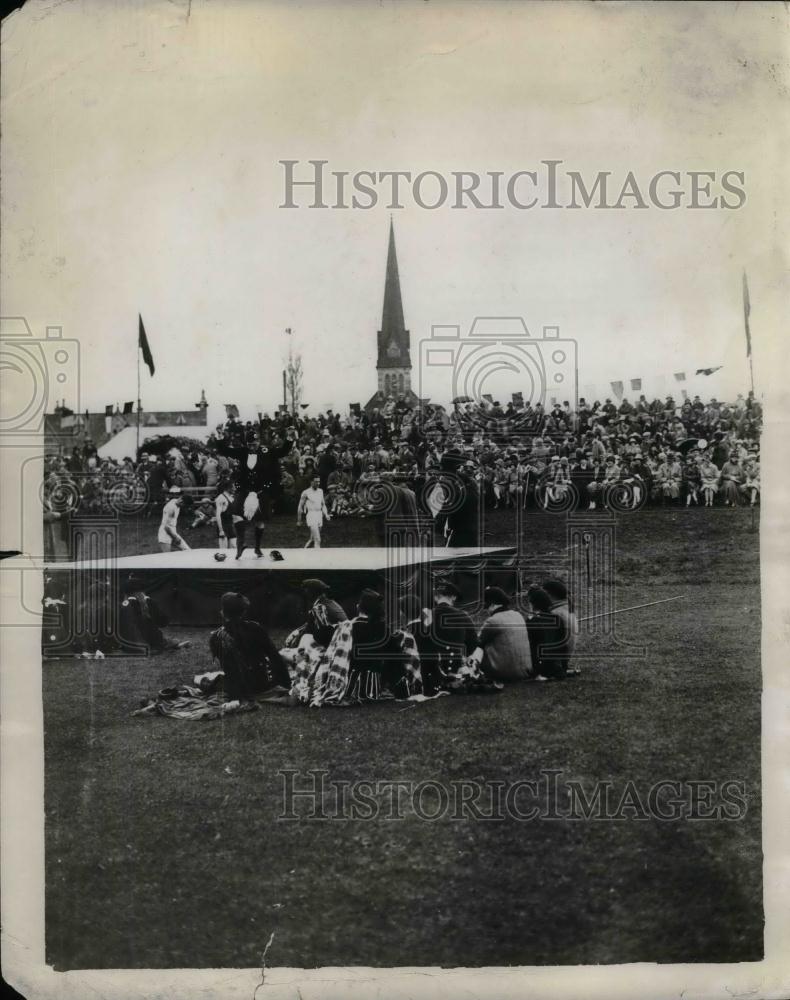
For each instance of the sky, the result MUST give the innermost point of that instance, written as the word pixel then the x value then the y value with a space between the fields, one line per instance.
pixel 140 173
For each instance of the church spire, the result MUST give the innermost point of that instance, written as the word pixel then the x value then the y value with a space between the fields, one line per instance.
pixel 393 367
pixel 392 325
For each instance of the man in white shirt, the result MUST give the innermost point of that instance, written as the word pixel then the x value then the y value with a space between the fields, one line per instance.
pixel 169 538
pixel 312 507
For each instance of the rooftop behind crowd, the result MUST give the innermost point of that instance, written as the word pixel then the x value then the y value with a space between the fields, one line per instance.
pixel 690 453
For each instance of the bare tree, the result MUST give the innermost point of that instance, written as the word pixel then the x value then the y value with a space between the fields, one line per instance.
pixel 293 380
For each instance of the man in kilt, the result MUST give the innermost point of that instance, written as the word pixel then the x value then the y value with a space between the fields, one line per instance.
pixel 258 479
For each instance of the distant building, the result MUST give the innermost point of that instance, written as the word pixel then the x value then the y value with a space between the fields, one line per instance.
pixel 63 429
pixel 393 366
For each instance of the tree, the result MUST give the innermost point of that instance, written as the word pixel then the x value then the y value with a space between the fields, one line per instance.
pixel 293 380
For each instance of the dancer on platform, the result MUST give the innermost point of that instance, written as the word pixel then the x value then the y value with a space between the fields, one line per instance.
pixel 312 507
pixel 258 478
pixel 168 537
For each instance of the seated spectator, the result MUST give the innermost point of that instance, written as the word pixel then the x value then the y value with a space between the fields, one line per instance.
pixel 709 479
pixel 692 478
pixel 503 645
pixel 562 607
pixel 751 486
pixel 732 480
pixel 547 634
pixel 142 620
pixel 246 654
pixel 454 632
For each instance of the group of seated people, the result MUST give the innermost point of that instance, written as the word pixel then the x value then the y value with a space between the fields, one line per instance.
pixel 521 453
pixel 423 651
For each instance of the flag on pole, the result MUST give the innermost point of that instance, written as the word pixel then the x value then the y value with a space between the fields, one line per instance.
pixel 636 384
pixel 231 411
pixel 747 308
pixel 128 408
pixel 707 371
pixel 617 389
pixel 680 376
pixel 518 398
pixel 142 342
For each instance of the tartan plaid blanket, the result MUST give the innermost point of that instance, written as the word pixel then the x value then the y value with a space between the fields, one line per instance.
pixel 323 676
pixel 191 703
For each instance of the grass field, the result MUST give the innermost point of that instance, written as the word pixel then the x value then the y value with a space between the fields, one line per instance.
pixel 164 848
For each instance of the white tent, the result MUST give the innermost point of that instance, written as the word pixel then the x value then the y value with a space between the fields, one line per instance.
pixel 125 442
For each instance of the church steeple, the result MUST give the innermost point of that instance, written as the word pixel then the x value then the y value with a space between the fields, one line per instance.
pixel 394 355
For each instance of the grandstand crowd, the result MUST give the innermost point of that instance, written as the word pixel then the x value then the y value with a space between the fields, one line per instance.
pixel 691 453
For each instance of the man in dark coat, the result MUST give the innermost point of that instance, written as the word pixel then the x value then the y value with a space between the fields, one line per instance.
pixel 463 516
pixel 258 480
pixel 453 633
pixel 247 656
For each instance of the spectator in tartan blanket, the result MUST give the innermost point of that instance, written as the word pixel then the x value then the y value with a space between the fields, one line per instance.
pixel 376 652
pixel 368 659
pixel 323 614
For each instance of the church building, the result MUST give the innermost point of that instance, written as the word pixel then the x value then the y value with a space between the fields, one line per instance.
pixel 393 366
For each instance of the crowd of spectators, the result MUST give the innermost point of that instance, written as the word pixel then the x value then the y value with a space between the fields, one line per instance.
pixel 629 453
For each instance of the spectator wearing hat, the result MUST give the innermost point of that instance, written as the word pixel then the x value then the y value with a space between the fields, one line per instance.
pixel 247 656
pixel 306 645
pixel 142 620
pixel 454 633
pixel 562 607
pixel 751 485
pixel 692 479
pixel 503 644
pixel 548 636
pixel 732 479
pixel 323 612
pixel 168 537
pixel 709 479
pixel 376 658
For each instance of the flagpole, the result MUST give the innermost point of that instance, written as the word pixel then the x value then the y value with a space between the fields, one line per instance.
pixel 139 404
pixel 747 309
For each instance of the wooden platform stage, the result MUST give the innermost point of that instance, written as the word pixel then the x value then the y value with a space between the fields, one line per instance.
pixel 188 585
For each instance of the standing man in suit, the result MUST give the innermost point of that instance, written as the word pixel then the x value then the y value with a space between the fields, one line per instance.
pixel 463 522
